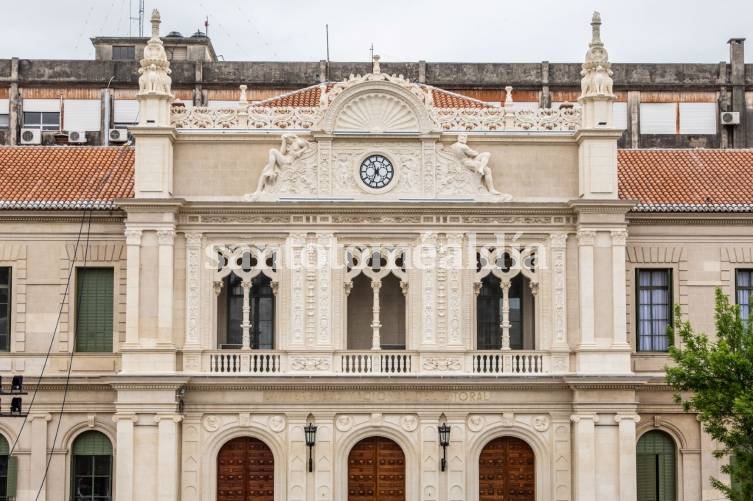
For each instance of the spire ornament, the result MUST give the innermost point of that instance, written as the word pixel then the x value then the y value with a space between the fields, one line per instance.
pixel 154 79
pixel 596 70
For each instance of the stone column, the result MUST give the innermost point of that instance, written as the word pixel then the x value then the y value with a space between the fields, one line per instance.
pixel 627 458
pixel 586 286
pixel 124 456
pixel 193 290
pixel 166 240
pixel 13 103
pixel 133 279
pixel 558 267
pixel 619 311
pixel 584 450
pixel 39 453
pixel 168 457
pixel 505 325
pixel 375 323
pixel 246 319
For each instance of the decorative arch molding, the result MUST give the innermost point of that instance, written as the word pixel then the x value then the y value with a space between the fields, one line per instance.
pixel 406 441
pixel 537 442
pixel 658 424
pixel 91 424
pixel 373 101
pixel 231 431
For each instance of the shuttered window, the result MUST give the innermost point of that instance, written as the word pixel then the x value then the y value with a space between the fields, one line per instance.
pixel 656 467
pixel 5 304
pixel 698 118
pixel 94 295
pixel 8 471
pixel 91 471
pixel 82 114
pixel 658 118
pixel 125 111
pixel 619 115
pixel 743 291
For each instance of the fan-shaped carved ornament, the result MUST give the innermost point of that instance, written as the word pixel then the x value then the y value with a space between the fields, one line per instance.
pixel 376 113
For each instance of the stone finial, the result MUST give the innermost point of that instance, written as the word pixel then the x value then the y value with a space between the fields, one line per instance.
pixel 155 23
pixel 596 72
pixel 508 97
pixel 375 65
pixel 243 98
pixel 155 68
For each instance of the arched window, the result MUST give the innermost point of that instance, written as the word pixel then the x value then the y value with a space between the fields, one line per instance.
pixel 91 467
pixel 8 467
pixel 656 467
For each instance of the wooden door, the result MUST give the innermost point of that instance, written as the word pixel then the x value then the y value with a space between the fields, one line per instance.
pixel 376 471
pixel 245 471
pixel 506 471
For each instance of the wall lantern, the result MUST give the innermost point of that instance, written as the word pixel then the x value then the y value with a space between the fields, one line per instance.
pixel 444 441
pixel 310 431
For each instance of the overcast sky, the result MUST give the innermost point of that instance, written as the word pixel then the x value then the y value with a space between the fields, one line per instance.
pixel 401 30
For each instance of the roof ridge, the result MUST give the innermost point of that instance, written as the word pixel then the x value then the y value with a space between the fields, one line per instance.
pixel 288 94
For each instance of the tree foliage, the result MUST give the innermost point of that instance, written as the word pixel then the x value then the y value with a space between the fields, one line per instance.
pixel 715 379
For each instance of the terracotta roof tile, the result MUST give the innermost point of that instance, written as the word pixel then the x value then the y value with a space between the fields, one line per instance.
pixel 687 180
pixel 445 99
pixel 65 177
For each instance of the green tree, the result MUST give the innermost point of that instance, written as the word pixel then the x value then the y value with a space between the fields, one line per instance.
pixel 715 379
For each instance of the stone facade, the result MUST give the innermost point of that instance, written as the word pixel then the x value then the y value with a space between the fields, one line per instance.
pixel 170 396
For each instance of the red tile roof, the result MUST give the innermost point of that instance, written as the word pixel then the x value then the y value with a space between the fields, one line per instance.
pixel 65 177
pixel 687 180
pixel 445 99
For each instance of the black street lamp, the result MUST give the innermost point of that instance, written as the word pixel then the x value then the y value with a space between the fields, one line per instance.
pixel 444 441
pixel 310 431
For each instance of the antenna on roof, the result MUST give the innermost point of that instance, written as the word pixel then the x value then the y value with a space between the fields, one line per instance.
pixel 371 49
pixel 139 19
pixel 326 34
pixel 206 26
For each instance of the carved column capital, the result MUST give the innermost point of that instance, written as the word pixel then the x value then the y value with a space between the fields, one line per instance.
pixel 217 286
pixel 166 237
pixel 193 239
pixel 404 287
pixel 476 288
pixel 175 418
pixel 558 240
pixel 577 418
pixel 627 417
pixel 619 237
pixel 133 237
pixel 534 288
pixel 125 416
pixel 376 285
pixel 586 237
pixel 348 287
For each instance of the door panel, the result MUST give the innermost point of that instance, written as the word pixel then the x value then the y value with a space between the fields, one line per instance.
pixel 245 471
pixel 507 471
pixel 376 471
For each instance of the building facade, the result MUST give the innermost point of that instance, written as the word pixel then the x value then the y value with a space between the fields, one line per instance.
pixel 467 302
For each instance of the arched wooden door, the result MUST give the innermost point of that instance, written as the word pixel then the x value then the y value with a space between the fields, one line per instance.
pixel 506 469
pixel 245 471
pixel 376 471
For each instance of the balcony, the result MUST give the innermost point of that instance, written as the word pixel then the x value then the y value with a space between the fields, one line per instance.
pixel 376 363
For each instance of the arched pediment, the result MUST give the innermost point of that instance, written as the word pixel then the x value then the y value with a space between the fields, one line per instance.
pixel 388 106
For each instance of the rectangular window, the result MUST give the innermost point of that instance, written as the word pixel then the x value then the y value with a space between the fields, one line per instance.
pixel 743 291
pixel 658 118
pixel 45 120
pixel 4 120
pixel 94 298
pixel 123 52
pixel 5 305
pixel 698 118
pixel 654 308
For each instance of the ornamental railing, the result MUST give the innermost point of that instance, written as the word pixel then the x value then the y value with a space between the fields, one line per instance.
pixel 248 117
pixel 377 362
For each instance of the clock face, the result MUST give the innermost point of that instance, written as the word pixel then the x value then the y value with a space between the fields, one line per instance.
pixel 376 171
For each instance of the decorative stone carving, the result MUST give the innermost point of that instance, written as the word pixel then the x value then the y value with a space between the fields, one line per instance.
pixel 193 288
pixel 309 364
pixel 376 113
pixel 508 419
pixel 463 171
pixel 596 72
pixel 409 423
pixel 442 364
pixel 166 237
pixel 475 422
pixel 291 150
pixel 541 423
pixel 210 423
pixel 558 245
pixel 506 119
pixel 277 423
pixel 155 70
pixel 344 423
pixel 586 237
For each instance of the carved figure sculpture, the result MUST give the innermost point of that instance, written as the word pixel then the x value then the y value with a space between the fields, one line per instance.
pixel 475 161
pixel 291 149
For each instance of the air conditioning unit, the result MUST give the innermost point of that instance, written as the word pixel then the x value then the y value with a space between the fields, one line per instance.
pixel 77 136
pixel 31 136
pixel 119 135
pixel 730 117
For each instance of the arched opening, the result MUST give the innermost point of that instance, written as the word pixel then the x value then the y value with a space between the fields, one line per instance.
pixel 489 305
pixel 656 467
pixel 506 469
pixel 4 460
pixel 376 471
pixel 91 467
pixel 261 300
pixel 245 471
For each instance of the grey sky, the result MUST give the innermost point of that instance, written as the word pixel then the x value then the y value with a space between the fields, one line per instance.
pixel 401 30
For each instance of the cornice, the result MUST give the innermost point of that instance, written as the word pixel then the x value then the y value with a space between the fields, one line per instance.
pixel 62 216
pixel 150 204
pixel 689 218
pixel 605 206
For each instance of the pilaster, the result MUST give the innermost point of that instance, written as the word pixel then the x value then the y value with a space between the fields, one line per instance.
pixel 559 344
pixel 192 346
pixel 133 280
pixel 627 457
pixel 584 455
pixel 168 456
pixel 39 453
pixel 124 459
pixel 166 242
pixel 619 311
pixel 586 287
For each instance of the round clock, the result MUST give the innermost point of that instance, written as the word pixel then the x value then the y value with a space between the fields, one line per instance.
pixel 376 171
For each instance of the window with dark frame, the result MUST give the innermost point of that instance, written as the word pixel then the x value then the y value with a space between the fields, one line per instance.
pixel 123 52
pixel 743 291
pixel 44 120
pixel 654 308
pixel 94 301
pixel 262 315
pixel 489 313
pixel 91 468
pixel 5 306
pixel 4 450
